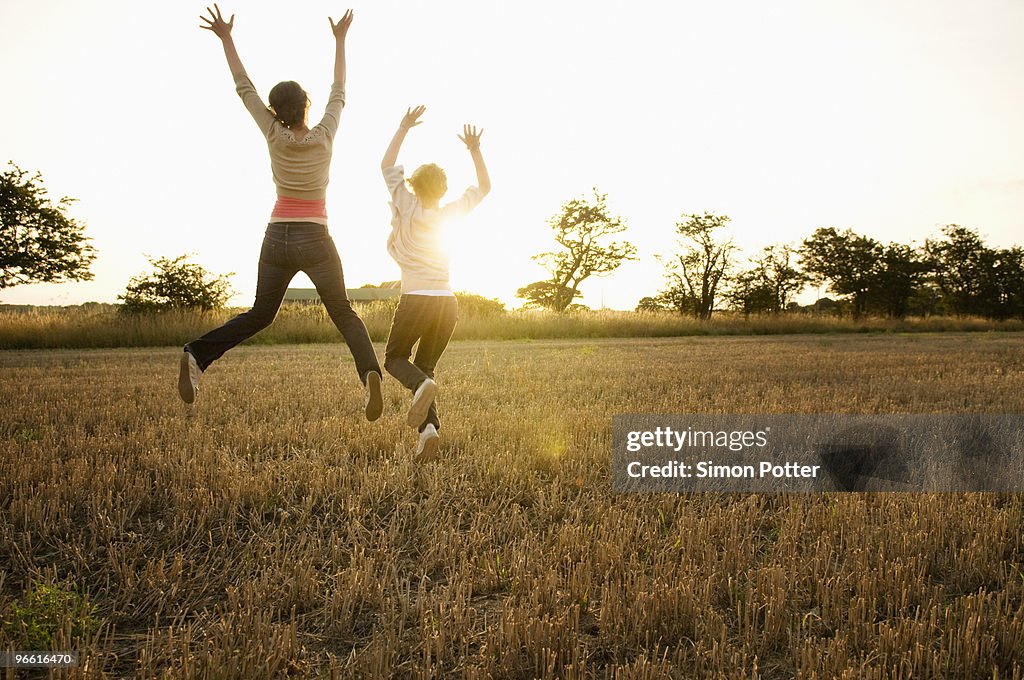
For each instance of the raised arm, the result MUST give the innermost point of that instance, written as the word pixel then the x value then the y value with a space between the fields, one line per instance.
pixel 340 31
pixel 336 100
pixel 409 120
pixel 222 29
pixel 471 138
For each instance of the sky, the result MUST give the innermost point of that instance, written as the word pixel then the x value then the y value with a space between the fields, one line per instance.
pixel 889 117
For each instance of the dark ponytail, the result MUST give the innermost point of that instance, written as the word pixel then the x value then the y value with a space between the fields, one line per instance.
pixel 288 101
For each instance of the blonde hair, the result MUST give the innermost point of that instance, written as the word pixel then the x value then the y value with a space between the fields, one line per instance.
pixel 429 182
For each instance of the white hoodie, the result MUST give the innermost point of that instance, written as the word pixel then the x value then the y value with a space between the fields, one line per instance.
pixel 415 238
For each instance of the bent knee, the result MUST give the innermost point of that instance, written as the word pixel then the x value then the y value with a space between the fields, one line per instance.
pixel 393 363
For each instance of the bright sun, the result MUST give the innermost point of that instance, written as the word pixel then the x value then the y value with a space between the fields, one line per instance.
pixel 476 261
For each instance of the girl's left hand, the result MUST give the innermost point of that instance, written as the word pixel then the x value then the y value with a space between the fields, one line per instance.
pixel 470 137
pixel 340 29
pixel 215 22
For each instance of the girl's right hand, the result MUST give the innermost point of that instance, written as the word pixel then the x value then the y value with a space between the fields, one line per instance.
pixel 410 119
pixel 215 22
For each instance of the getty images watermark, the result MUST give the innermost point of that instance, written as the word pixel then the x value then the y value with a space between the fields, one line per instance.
pixel 815 453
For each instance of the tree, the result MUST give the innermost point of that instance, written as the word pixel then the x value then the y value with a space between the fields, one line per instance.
pixel 548 295
pixel 581 229
pixel 769 284
pixel 649 304
pixel 176 284
pixel 970 278
pixel 1010 275
pixel 749 293
pixel 39 242
pixel 673 300
pixel 880 279
pixel 473 305
pixel 965 271
pixel 900 273
pixel 849 263
pixel 779 272
pixel 695 273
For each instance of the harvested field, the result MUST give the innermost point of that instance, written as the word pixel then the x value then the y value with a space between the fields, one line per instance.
pixel 269 531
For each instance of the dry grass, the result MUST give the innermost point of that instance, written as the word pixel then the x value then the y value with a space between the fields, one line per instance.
pixel 97 326
pixel 270 532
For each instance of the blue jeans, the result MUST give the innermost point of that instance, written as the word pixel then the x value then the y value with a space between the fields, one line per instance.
pixel 288 248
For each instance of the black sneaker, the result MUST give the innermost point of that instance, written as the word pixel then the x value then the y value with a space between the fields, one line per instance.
pixel 374 401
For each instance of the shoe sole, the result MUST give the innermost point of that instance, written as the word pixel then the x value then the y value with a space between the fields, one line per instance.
pixel 185 389
pixel 419 408
pixel 429 451
pixel 375 406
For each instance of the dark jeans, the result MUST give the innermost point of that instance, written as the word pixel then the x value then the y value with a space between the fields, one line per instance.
pixel 288 248
pixel 430 319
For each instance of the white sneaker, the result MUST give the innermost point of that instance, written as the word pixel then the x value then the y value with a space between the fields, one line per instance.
pixel 188 377
pixel 374 401
pixel 421 402
pixel 427 449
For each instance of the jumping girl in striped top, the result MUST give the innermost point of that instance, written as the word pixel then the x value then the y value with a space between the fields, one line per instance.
pixel 296 238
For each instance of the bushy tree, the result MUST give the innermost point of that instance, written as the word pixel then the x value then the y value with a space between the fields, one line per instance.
pixel 749 293
pixel 1010 275
pixel 847 261
pixel 879 279
pixel 581 232
pixel 176 283
pixel 547 295
pixel 672 300
pixel 39 241
pixel 473 305
pixel 965 271
pixel 769 284
pixel 649 304
pixel 973 278
pixel 899 276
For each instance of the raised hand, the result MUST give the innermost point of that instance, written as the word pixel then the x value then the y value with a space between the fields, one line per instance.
pixel 470 137
pixel 340 29
pixel 409 120
pixel 411 117
pixel 215 22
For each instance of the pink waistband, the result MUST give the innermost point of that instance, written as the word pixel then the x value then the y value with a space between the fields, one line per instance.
pixel 293 208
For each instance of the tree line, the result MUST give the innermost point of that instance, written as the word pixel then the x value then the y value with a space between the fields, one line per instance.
pixel 955 273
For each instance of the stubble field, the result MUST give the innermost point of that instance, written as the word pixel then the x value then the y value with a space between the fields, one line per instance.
pixel 269 531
